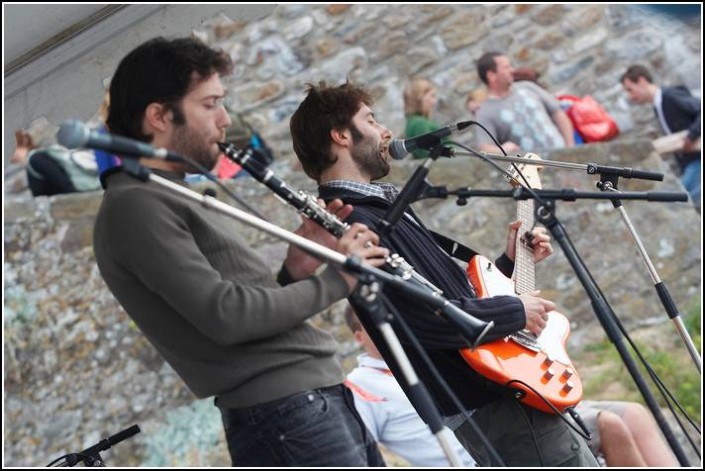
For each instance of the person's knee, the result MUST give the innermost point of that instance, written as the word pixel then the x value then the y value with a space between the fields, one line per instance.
pixel 638 418
pixel 612 428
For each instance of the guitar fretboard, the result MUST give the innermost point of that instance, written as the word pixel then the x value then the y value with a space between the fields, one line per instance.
pixel 524 273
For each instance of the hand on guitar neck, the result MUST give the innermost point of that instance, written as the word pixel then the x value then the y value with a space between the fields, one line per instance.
pixel 536 310
pixel 538 243
pixel 538 240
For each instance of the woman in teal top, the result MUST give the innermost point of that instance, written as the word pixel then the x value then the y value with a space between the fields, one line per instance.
pixel 419 100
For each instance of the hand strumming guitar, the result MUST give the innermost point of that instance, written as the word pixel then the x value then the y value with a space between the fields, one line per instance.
pixel 536 310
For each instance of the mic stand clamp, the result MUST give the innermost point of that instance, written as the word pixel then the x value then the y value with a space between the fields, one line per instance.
pixel 93 460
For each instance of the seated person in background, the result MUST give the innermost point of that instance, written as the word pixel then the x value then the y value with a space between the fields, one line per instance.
pixel 475 99
pixel 625 434
pixel 53 169
pixel 387 412
pixel 522 116
pixel 420 99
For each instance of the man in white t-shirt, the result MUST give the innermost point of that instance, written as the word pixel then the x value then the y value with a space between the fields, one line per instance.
pixel 387 412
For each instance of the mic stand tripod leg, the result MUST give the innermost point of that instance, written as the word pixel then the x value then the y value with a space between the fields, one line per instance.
pixel 603 311
pixel 368 301
pixel 661 289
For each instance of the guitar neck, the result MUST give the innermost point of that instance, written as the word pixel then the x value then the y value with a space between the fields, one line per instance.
pixel 524 273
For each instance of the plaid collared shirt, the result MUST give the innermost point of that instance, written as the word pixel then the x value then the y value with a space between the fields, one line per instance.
pixel 382 190
pixel 386 191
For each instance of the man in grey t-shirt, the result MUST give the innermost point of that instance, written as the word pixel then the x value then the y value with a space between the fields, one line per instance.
pixel 522 116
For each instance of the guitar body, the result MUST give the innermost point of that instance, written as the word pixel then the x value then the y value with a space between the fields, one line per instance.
pixel 541 363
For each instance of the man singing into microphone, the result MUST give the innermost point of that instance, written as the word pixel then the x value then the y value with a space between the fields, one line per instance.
pixel 343 147
pixel 203 297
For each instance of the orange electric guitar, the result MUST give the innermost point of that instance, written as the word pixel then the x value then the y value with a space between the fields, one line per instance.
pixel 541 362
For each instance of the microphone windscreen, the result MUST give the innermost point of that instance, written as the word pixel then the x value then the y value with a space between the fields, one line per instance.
pixel 397 149
pixel 72 134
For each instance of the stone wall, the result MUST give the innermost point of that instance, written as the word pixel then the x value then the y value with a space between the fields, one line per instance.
pixel 579 49
pixel 77 369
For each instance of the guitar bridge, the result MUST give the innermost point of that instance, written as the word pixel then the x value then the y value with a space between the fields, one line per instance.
pixel 526 339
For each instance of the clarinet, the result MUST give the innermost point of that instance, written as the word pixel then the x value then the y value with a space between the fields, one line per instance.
pixel 309 207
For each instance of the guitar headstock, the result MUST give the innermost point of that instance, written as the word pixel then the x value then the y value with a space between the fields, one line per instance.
pixel 530 173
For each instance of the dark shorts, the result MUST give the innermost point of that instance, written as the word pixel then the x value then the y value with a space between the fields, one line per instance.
pixel 524 436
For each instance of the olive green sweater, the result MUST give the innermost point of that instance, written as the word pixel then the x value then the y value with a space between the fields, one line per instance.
pixel 208 302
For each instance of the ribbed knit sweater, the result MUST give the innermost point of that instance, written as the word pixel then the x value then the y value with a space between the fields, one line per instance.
pixel 416 245
pixel 208 302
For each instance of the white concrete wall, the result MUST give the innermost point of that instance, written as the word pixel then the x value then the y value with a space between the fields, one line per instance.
pixel 67 82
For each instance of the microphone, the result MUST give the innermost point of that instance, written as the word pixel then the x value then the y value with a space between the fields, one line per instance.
pixel 624 172
pixel 75 134
pixel 400 148
pixel 91 457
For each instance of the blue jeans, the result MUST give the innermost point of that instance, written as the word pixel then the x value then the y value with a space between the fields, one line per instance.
pixel 691 181
pixel 319 427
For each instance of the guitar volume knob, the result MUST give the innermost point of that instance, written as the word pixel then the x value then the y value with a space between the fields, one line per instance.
pixel 568 387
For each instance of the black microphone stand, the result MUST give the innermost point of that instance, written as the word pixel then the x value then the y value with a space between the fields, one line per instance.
pixel 369 299
pixel 545 213
pixel 416 185
pixel 608 183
